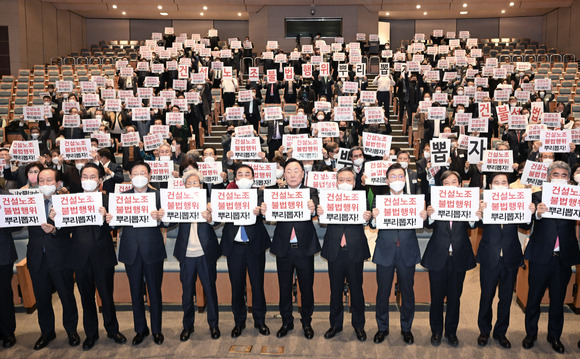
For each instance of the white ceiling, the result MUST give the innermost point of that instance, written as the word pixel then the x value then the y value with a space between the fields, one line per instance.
pixel 229 9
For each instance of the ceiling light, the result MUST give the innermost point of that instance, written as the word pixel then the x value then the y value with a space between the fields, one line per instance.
pixel 114 6
pixel 387 13
pixel 124 13
pixel 160 7
pixel 201 13
pixel 503 11
pixel 163 14
pixel 464 4
pixel 512 3
pixel 239 14
pixel 425 13
pixel 463 12
pixel 418 6
pixel 204 7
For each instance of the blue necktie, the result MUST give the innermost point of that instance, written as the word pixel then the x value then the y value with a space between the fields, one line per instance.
pixel 243 234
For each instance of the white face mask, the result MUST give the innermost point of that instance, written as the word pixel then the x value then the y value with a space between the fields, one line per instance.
pixel 460 111
pixel 55 160
pixel 89 185
pixel 35 136
pixel 320 117
pixel 345 186
pixel 139 181
pixel 499 187
pixel 577 178
pixel 307 168
pixel 397 186
pixel 47 191
pixel 547 161
pixel 209 159
pixel 173 148
pixel 79 166
pixel 427 154
pixel 279 173
pixel 244 183
pixel 98 117
pixel 460 92
pixel 559 181
pixel 358 162
pixel 404 164
pixel 164 158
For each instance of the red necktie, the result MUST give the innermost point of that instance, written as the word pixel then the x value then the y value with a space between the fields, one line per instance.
pixel 343 241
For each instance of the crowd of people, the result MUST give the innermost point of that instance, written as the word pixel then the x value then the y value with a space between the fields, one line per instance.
pixel 59 257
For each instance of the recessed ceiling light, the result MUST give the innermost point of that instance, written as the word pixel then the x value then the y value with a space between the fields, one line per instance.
pixel 503 11
pixel 124 13
pixel 464 4
pixel 463 12
pixel 239 14
pixel 204 7
pixel 114 6
pixel 160 7
pixel 163 14
pixel 425 13
pixel 201 13
pixel 418 6
pixel 387 13
pixel 512 3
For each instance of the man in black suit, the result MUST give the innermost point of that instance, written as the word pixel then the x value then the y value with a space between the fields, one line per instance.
pixel 93 260
pixel 275 133
pixel 113 171
pixel 245 248
pixel 142 250
pixel 396 249
pixel 499 255
pixel 294 244
pixel 552 251
pixel 346 248
pixel 131 154
pixel 72 175
pixel 197 250
pixel 252 111
pixel 404 159
pixel 46 254
pixel 7 258
pixel 448 256
pixel 272 93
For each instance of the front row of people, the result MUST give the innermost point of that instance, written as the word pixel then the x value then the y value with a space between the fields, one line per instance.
pixel 52 258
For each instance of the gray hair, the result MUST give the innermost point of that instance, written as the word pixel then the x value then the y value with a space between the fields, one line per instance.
pixel 561 165
pixel 502 143
pixel 346 169
pixel 192 172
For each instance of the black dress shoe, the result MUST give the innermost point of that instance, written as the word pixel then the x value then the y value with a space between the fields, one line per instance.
pixel 214 333
pixel 528 342
pixel 73 339
pixel 361 335
pixel 308 331
pixel 284 330
pixel 43 341
pixel 557 345
pixel 139 337
pixel 503 341
pixel 330 333
pixel 482 339
pixel 8 341
pixel 435 339
pixel 380 336
pixel 89 343
pixel 158 338
pixel 237 331
pixel 185 333
pixel 408 337
pixel 118 338
pixel 262 329
pixel 452 339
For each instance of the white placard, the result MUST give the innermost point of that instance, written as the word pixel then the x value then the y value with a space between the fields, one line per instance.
pixel 400 212
pixel 454 203
pixel 183 205
pixel 287 205
pixel 507 206
pixel 342 207
pixel 132 209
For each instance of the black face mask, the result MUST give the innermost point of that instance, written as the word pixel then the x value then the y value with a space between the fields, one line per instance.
pixel 342 128
pixel 230 132
pixel 413 82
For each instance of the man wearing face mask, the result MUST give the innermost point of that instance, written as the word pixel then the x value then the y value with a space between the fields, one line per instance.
pixel 113 171
pixel 131 154
pixel 410 175
pixel 548 157
pixel 357 157
pixel 142 250
pixel 396 249
pixel 71 176
pixel 294 244
pixel 92 258
pixel 252 110
pixel 499 255
pixel 46 254
pixel 552 250
pixel 209 156
pixel 245 248
pixel 346 248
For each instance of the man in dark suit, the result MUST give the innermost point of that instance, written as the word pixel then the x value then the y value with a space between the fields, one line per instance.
pixel 46 254
pixel 113 171
pixel 7 258
pixel 517 143
pixel 396 249
pixel 411 184
pixel 72 175
pixel 142 250
pixel 346 248
pixel 197 250
pixel 275 133
pixel 294 244
pixel 131 154
pixel 252 111
pixel 93 260
pixel 272 93
pixel 357 157
pixel 245 248
pixel 552 251
pixel 448 256
pixel 499 255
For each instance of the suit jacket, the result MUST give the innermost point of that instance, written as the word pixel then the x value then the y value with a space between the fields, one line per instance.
pixel 437 249
pixel 272 95
pixel 386 244
pixel 8 253
pixel 148 241
pixel 496 240
pixel 94 241
pixel 109 185
pixel 413 183
pixel 356 241
pixel 543 239
pixel 72 179
pixel 207 238
pixel 253 117
pixel 272 128
pixel 308 242
pixel 136 155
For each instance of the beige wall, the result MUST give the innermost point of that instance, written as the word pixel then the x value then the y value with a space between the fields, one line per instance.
pixel 561 29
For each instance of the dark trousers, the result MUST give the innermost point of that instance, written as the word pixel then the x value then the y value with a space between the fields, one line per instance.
pixel 229 99
pixel 243 259
pixel 153 275
pixel 504 278
pixel 273 146
pixel 555 277
pixel 42 283
pixel 88 279
pixel 190 269
pixel 384 99
pixel 339 270
pixel 7 316
pixel 447 282
pixel 406 280
pixel 304 266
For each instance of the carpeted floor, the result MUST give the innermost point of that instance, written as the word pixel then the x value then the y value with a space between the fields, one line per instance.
pixel 344 345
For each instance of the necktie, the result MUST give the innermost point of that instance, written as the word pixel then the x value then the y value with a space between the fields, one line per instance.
pixel 519 136
pixel 557 246
pixel 252 106
pixel 343 241
pixel 47 208
pixel 277 133
pixel 272 90
pixel 293 238
pixel 451 224
pixel 243 234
